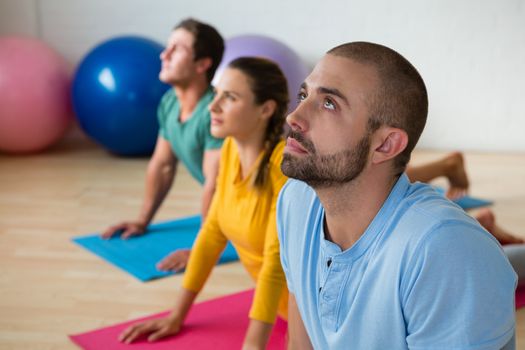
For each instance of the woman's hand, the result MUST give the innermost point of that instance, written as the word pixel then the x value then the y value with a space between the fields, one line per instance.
pixel 157 329
pixel 175 261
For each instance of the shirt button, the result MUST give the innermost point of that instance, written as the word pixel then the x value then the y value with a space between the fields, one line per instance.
pixel 329 262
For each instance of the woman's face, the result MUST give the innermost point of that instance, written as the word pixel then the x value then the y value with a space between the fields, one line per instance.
pixel 233 110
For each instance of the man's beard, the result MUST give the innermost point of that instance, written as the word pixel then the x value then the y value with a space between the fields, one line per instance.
pixel 320 171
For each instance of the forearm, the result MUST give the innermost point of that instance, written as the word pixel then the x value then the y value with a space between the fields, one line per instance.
pixel 183 304
pixel 159 179
pixel 296 341
pixel 298 337
pixel 271 283
pixel 204 255
pixel 257 335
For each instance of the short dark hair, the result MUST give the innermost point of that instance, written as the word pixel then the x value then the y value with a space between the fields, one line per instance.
pixel 401 99
pixel 207 43
pixel 267 82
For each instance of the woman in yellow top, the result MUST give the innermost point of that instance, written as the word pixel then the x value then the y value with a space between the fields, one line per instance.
pixel 249 111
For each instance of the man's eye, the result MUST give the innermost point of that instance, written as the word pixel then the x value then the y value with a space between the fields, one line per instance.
pixel 301 96
pixel 328 104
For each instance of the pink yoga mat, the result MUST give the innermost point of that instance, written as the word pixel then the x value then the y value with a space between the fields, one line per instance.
pixel 215 324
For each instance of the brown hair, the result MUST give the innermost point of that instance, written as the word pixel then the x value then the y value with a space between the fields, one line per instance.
pixel 400 101
pixel 207 43
pixel 267 82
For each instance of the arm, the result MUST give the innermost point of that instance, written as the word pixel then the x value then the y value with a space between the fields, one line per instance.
pixel 210 168
pixel 162 327
pixel 257 335
pixel 209 244
pixel 298 338
pixel 178 259
pixel 159 178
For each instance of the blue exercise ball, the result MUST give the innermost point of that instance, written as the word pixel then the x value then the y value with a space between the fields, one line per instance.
pixel 116 91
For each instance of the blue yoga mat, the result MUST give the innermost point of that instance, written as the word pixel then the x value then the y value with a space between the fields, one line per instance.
pixel 139 255
pixel 467 202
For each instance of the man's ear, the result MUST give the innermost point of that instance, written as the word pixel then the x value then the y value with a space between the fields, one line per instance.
pixel 203 64
pixel 389 142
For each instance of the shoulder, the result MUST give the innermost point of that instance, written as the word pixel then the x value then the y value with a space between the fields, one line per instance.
pixel 168 99
pixel 426 211
pixel 447 256
pixel 167 103
pixel 425 227
pixel 437 235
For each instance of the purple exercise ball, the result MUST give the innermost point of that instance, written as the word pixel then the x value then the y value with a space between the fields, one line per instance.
pixel 262 46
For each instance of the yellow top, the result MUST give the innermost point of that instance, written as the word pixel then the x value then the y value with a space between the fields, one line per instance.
pixel 246 216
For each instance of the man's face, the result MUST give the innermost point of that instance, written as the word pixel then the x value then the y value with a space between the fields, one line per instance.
pixel 329 142
pixel 178 65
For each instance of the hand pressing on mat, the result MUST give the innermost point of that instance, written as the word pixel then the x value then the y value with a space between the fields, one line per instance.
pixel 162 327
pixel 157 329
pixel 128 229
pixel 175 261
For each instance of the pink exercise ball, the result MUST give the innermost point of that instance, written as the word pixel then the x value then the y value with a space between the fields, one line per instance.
pixel 35 104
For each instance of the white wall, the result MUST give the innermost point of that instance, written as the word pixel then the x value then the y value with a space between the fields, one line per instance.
pixel 470 53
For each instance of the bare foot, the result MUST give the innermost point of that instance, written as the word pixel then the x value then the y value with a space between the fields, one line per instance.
pixel 487 219
pixel 175 261
pixel 456 175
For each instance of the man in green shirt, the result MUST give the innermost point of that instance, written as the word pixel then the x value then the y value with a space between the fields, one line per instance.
pixel 193 53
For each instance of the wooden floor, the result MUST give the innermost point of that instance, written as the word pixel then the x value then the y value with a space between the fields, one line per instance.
pixel 49 287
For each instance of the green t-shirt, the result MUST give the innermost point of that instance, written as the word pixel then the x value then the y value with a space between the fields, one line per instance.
pixel 189 140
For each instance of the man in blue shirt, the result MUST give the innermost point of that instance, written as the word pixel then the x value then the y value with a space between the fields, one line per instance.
pixel 373 261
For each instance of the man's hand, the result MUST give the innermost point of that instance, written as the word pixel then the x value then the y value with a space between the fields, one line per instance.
pixel 128 229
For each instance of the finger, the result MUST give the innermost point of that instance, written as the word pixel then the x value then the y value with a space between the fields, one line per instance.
pixel 137 332
pixel 110 232
pixel 179 266
pixel 162 265
pixel 177 262
pixel 166 265
pixel 161 333
pixel 127 332
pixel 130 232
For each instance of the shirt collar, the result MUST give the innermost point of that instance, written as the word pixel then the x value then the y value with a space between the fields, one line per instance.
pixel 373 230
